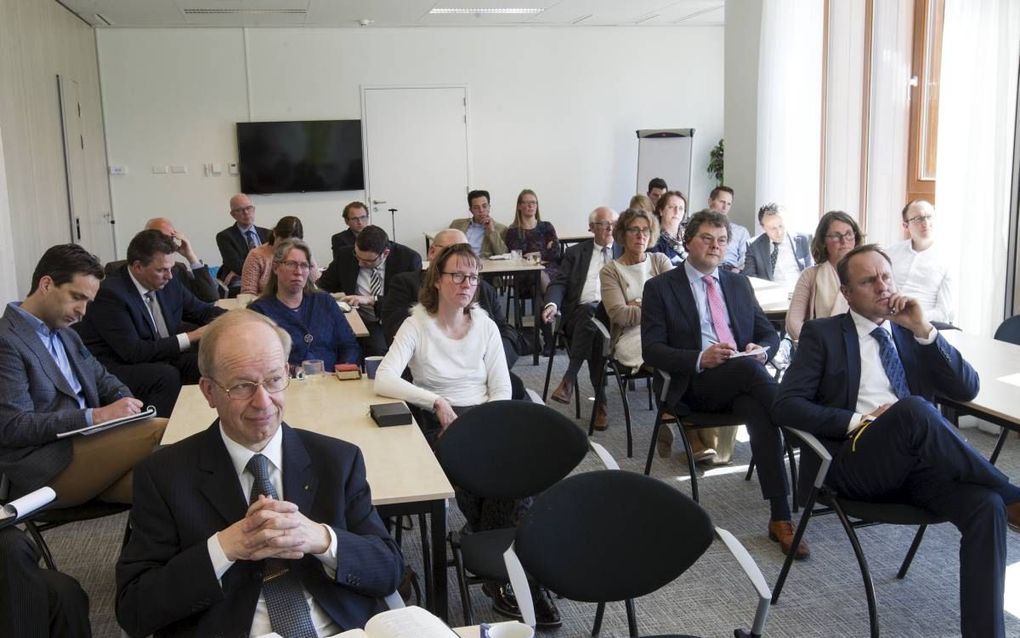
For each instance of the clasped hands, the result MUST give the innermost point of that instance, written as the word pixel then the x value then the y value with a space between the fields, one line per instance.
pixel 272 528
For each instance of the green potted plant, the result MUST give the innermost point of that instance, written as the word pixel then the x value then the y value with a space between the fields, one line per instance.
pixel 715 163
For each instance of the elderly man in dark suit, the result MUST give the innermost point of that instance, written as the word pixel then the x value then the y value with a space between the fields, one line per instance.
pixel 50 383
pixel 575 293
pixel 237 239
pixel 694 320
pixel 864 382
pixel 777 255
pixel 134 327
pixel 252 526
pixel 363 272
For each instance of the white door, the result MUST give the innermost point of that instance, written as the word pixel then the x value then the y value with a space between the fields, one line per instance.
pixel 91 230
pixel 417 159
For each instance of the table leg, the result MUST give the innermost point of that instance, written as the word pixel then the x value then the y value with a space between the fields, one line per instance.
pixel 536 307
pixel 439 596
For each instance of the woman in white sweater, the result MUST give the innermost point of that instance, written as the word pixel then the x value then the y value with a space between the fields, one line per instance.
pixel 452 347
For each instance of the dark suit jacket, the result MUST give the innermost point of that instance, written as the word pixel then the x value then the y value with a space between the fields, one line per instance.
pixel 671 327
pixel 185 493
pixel 198 281
pixel 758 263
pixel 234 248
pixel 566 285
pixel 341 239
pixel 342 273
pixel 119 330
pixel 403 293
pixel 36 401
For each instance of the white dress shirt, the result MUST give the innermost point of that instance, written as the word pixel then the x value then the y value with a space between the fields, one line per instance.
pixel 183 342
pixel 924 276
pixel 592 290
pixel 239 456
pixel 787 270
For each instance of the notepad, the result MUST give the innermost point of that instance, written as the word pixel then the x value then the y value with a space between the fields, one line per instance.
pixel 89 430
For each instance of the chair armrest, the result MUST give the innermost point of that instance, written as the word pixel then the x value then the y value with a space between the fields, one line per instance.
pixel 818 449
pixel 607 459
pixel 666 380
pixel 604 334
pixel 519 581
pixel 394 601
pixel 753 574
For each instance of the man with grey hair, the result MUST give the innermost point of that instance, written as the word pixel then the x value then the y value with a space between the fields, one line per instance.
pixel 252 526
pixel 918 266
pixel 575 293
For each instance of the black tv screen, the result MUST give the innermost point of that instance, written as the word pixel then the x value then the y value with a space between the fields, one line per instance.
pixel 298 157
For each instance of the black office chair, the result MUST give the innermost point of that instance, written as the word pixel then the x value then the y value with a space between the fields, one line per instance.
pixel 607 536
pixel 852 515
pixel 624 377
pixel 560 337
pixel 509 450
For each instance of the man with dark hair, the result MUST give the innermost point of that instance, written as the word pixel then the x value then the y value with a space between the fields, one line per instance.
pixel 777 255
pixel 363 272
pixel 720 200
pixel 695 321
pixel 483 232
pixel 865 383
pixel 50 383
pixel 135 325
pixel 356 217
pixel 656 187
pixel 252 526
pixel 237 239
pixel 919 267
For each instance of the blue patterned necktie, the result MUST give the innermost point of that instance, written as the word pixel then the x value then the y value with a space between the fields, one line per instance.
pixel 891 363
pixel 285 599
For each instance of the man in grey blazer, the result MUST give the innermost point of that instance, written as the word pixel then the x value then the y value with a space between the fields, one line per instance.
pixel 50 383
pixel 777 255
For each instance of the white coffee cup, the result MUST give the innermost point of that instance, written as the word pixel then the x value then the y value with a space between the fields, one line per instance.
pixel 511 630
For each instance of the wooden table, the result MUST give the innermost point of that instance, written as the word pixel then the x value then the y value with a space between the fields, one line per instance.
pixel 522 270
pixel 572 238
pixel 402 471
pixel 353 318
pixel 998 365
pixel 774 298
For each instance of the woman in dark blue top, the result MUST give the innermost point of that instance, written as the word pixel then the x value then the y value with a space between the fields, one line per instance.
pixel 317 327
pixel 671 209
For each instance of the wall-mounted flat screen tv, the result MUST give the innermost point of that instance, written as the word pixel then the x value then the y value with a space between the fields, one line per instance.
pixel 299 157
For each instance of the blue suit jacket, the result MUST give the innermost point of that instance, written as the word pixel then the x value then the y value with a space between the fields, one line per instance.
pixel 759 264
pixel 185 493
pixel 671 327
pixel 819 389
pixel 36 402
pixel 119 330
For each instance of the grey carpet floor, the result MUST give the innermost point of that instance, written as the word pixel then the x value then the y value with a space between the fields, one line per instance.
pixel 823 596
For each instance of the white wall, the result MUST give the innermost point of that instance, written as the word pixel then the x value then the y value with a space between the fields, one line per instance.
pixel 550 109
pixel 743 35
pixel 40 39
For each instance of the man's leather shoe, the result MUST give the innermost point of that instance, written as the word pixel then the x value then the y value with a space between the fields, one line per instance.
pixel 563 392
pixel 783 532
pixel 601 418
pixel 1013 516
pixel 664 442
pixel 546 614
pixel 504 602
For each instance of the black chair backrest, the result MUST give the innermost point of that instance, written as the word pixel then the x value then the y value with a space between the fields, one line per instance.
pixel 611 535
pixel 510 449
pixel 1009 330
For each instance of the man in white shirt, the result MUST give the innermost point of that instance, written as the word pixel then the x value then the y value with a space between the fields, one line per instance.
pixel 777 255
pixel 720 200
pixel 576 290
pixel 252 526
pixel 864 383
pixel 918 267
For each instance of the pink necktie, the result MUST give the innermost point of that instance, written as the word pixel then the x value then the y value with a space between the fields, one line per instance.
pixel 718 312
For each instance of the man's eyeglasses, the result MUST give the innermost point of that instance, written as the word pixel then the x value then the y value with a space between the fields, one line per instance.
pixel 712 239
pixel 243 209
pixel 848 236
pixel 296 265
pixel 604 225
pixel 921 219
pixel 459 277
pixel 637 230
pixel 359 218
pixel 246 390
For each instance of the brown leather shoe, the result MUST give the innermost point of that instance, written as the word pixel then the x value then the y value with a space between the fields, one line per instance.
pixel 1013 516
pixel 783 532
pixel 601 417
pixel 563 392
pixel 664 443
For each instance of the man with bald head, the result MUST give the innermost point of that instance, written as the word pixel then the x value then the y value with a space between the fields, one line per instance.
pixel 575 293
pixel 918 266
pixel 252 526
pixel 404 289
pixel 237 239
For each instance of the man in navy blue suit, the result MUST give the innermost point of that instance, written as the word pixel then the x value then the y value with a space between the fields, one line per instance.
pixel 695 320
pixel 252 526
pixel 864 383
pixel 143 323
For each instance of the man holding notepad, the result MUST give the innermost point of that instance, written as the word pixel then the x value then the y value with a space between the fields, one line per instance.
pixel 51 384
